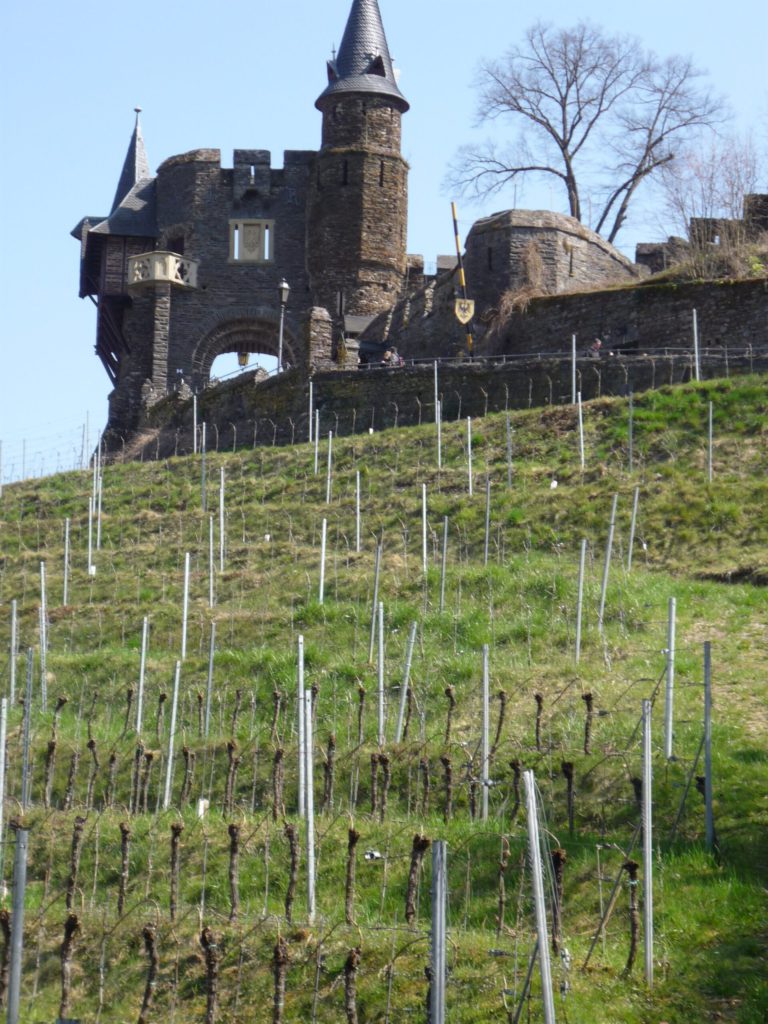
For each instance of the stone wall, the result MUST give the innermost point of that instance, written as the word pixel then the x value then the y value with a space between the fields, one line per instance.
pixel 648 316
pixel 245 412
pixel 548 252
pixel 197 199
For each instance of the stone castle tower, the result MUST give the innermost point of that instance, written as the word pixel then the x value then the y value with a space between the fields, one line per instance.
pixel 187 264
pixel 359 192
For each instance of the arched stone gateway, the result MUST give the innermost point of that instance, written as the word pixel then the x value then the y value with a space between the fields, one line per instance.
pixel 254 332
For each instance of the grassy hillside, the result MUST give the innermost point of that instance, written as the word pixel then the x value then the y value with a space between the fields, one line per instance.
pixel 144 882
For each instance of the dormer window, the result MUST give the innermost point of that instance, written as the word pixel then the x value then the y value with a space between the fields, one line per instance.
pixel 376 67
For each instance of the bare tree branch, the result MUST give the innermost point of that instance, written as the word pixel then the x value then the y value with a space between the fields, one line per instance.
pixel 710 180
pixel 587 105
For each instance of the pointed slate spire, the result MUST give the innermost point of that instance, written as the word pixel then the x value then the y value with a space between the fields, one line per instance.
pixel 136 166
pixel 363 64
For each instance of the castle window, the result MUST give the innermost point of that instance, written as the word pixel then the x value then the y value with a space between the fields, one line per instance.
pixel 176 244
pixel 345 173
pixel 490 258
pixel 251 241
pixel 381 174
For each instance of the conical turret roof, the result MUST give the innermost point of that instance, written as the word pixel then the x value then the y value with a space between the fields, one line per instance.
pixel 135 167
pixel 363 64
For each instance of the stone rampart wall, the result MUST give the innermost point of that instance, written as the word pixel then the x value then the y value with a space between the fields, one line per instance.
pixel 548 252
pixel 643 318
pixel 245 413
pixel 648 317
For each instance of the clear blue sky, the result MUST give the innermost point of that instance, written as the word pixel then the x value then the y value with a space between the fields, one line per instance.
pixel 245 75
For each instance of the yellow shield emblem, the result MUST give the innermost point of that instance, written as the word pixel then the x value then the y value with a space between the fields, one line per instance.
pixel 465 310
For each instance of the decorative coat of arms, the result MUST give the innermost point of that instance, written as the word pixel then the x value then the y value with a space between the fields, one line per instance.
pixel 465 310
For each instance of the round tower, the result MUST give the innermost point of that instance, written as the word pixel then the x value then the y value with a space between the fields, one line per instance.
pixel 358 204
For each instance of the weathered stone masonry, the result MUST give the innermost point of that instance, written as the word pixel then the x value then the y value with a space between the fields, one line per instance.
pixel 188 262
pixel 244 413
pixel 647 316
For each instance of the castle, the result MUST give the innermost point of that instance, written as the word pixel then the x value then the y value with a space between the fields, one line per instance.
pixel 188 262
pixel 192 262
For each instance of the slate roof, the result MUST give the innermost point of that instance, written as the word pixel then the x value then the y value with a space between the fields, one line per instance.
pixel 136 216
pixel 134 210
pixel 363 63
pixel 135 166
pixel 79 228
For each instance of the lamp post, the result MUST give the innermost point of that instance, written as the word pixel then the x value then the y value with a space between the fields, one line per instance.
pixel 283 291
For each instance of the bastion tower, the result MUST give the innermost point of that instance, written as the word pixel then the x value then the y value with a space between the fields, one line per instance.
pixel 358 197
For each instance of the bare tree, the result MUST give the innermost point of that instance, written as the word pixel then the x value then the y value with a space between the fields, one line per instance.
pixel 703 195
pixel 594 112
pixel 710 180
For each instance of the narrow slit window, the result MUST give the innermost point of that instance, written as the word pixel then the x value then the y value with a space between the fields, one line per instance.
pixel 381 174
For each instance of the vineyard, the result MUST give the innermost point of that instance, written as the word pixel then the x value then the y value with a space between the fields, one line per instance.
pixel 248 692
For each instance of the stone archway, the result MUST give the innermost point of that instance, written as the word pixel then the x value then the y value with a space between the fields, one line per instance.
pixel 254 331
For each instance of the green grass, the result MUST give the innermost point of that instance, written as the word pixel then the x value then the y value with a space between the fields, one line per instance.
pixel 704 543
